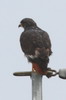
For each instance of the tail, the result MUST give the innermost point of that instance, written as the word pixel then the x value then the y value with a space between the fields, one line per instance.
pixel 43 58
pixel 40 65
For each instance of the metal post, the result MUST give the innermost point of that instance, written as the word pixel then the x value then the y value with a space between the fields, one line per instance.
pixel 36 86
pixel 37 81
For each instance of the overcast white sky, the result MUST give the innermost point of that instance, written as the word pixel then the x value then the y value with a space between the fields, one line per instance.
pixel 50 15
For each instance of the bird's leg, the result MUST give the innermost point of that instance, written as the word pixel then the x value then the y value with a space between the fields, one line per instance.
pixel 37 69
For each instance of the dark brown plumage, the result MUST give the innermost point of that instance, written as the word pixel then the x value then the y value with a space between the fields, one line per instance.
pixel 35 43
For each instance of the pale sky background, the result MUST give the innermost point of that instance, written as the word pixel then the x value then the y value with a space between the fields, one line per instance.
pixel 50 15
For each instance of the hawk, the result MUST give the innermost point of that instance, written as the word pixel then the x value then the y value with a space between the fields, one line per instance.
pixel 36 45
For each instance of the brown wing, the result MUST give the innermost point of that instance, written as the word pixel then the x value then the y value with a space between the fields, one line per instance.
pixel 32 39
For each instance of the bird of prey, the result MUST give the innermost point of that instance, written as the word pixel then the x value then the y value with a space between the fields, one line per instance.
pixel 36 45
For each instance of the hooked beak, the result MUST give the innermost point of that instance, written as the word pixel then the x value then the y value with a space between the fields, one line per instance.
pixel 20 25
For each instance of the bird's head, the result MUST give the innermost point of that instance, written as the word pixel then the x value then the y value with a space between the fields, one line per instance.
pixel 27 22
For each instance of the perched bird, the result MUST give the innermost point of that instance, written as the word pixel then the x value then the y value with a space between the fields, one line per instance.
pixel 36 45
